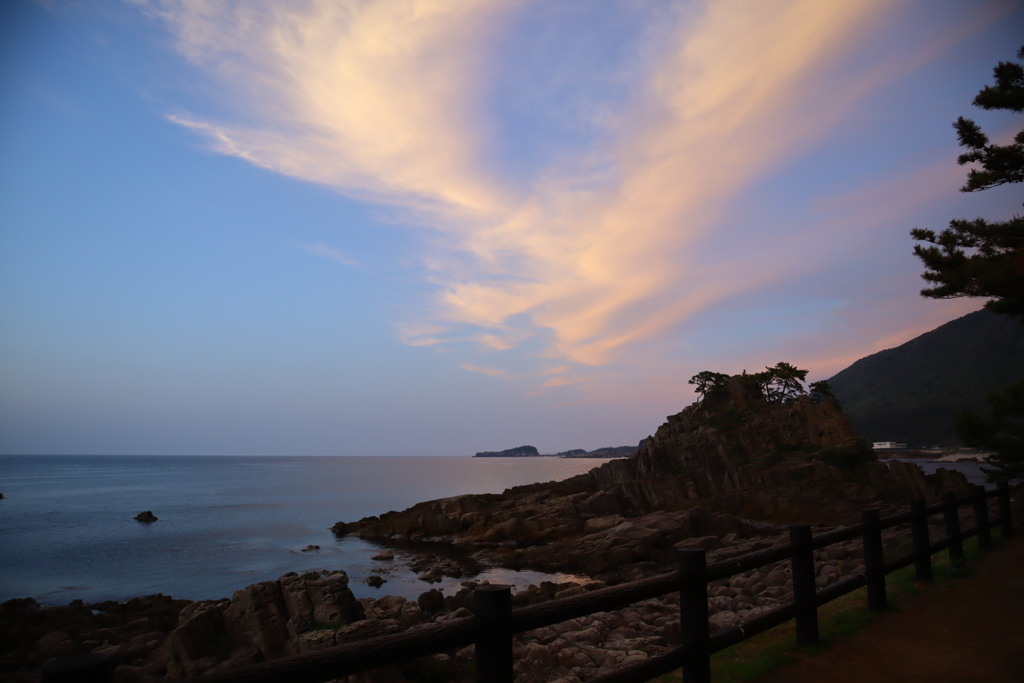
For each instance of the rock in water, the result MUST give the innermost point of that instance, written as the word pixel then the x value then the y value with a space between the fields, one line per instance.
pixel 146 516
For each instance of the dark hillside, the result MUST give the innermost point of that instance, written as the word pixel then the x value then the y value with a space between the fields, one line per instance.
pixel 912 392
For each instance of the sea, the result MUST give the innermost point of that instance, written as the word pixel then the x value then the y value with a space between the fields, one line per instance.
pixel 67 527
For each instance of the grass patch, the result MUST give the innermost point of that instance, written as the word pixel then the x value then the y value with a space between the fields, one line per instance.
pixel 750 659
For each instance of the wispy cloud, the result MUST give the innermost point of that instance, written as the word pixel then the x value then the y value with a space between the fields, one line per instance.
pixel 387 100
pixel 493 372
pixel 376 99
pixel 601 264
pixel 329 252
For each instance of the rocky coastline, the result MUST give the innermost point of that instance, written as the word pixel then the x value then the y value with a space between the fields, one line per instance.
pixel 726 475
pixel 157 638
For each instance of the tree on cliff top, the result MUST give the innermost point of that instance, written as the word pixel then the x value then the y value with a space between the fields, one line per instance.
pixel 781 382
pixel 977 258
pixel 708 382
pixel 821 391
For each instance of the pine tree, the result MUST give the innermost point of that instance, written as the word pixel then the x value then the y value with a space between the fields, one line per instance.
pixel 978 258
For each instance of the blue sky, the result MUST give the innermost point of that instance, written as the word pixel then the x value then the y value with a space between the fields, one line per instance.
pixel 435 227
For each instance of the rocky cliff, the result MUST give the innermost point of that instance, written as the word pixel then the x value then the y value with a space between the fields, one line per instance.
pixel 715 476
pixel 735 456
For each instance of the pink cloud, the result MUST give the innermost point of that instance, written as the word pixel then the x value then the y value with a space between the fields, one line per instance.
pixel 589 262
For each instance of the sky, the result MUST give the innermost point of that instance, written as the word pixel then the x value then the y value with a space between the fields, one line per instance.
pixel 435 227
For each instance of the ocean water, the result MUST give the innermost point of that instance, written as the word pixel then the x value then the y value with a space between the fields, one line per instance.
pixel 972 471
pixel 67 530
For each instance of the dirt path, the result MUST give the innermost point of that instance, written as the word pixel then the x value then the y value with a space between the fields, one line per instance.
pixel 969 629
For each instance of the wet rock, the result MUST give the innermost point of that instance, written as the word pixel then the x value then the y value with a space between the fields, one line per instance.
pixel 146 516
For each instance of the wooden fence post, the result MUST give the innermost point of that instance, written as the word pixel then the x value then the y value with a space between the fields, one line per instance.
pixel 493 648
pixel 1005 516
pixel 922 544
pixel 981 518
pixel 801 560
pixel 952 519
pixel 874 564
pixel 693 615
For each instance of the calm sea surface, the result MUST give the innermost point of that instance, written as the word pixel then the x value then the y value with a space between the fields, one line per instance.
pixel 67 529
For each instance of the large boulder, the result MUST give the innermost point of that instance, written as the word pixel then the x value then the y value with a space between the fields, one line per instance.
pixel 262 621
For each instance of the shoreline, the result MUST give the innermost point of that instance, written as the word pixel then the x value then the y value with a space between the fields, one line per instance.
pixel 401 574
pixel 224 523
pixel 154 637
pixel 402 578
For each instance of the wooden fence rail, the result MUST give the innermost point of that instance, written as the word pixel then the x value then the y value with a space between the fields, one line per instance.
pixel 494 623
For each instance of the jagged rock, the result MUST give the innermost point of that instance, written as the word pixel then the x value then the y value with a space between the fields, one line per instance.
pixel 146 516
pixel 262 621
pixel 201 630
pixel 707 471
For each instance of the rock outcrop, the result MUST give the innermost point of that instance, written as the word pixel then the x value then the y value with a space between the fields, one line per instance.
pixel 146 516
pixel 260 622
pixel 733 457
pixel 155 638
pixel 722 475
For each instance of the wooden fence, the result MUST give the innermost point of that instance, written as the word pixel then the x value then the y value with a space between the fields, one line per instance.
pixel 494 623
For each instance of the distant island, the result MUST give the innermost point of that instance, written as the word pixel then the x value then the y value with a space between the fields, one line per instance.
pixel 532 452
pixel 519 452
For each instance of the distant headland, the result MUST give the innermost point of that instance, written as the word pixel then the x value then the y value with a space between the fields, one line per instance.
pixel 532 452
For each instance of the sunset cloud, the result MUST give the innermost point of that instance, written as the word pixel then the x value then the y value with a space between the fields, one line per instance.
pixel 389 100
pixel 604 266
pixel 375 99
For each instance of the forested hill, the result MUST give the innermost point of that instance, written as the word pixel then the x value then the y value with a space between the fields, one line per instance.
pixel 911 393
